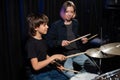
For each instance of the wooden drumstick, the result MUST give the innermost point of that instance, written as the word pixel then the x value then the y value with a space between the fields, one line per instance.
pixel 71 70
pixel 81 52
pixel 73 55
pixel 93 36
pixel 65 68
pixel 79 38
pixel 56 63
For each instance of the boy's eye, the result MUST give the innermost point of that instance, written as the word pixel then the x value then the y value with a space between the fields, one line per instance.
pixel 45 24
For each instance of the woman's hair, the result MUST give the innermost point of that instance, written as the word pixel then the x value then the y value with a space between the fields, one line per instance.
pixel 64 7
pixel 35 20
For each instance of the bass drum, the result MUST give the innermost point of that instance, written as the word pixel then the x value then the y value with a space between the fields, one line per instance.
pixel 84 76
pixel 112 75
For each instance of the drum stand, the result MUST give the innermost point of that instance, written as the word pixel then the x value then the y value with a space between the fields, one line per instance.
pixel 98 66
pixel 100 63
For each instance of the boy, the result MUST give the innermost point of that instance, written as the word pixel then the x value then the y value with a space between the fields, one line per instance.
pixel 37 51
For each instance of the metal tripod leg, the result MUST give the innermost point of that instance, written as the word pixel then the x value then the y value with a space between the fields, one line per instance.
pixel 98 66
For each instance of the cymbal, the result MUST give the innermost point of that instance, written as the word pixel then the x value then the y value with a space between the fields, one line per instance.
pixel 96 53
pixel 111 48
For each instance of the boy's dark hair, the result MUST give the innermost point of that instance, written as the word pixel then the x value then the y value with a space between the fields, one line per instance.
pixel 35 20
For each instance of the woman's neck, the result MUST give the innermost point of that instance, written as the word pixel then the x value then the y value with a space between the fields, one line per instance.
pixel 67 22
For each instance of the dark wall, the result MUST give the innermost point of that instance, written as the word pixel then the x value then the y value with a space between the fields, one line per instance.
pixel 111 19
pixel 89 13
pixel 94 16
pixel 13 33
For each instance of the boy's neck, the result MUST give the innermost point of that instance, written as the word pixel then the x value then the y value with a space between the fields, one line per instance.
pixel 38 36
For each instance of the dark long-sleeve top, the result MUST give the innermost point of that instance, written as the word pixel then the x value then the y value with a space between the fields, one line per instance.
pixel 58 32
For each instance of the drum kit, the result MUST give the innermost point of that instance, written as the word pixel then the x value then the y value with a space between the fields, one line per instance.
pixel 105 51
pixel 112 75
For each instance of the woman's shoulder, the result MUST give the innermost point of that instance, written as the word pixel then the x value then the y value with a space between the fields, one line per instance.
pixel 58 22
pixel 75 20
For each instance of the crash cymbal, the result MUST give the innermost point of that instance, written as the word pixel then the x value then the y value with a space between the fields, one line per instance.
pixel 96 53
pixel 111 48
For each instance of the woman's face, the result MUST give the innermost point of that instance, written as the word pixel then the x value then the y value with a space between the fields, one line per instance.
pixel 69 13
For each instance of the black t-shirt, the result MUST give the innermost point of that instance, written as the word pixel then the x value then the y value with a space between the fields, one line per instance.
pixel 37 49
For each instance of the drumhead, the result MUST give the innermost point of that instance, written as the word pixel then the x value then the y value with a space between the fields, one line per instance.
pixel 84 76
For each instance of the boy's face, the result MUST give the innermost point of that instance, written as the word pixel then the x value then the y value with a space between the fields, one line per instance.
pixel 42 29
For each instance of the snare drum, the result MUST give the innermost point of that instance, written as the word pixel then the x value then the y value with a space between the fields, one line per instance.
pixel 113 75
pixel 84 76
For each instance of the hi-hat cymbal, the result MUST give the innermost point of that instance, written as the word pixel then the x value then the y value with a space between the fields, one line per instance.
pixel 111 48
pixel 96 53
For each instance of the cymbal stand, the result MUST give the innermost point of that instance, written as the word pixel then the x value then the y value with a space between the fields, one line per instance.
pixel 98 66
pixel 100 63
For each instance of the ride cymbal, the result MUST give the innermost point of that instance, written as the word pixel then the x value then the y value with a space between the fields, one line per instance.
pixel 96 53
pixel 111 48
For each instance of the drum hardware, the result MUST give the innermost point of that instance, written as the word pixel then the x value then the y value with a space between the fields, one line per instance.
pixel 96 53
pixel 112 75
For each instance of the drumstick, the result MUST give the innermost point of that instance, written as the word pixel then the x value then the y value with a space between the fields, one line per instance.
pixel 56 63
pixel 79 38
pixel 71 70
pixel 75 54
pixel 82 52
pixel 92 36
pixel 65 68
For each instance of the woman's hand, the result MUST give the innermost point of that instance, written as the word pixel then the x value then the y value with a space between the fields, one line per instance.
pixel 65 43
pixel 84 40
